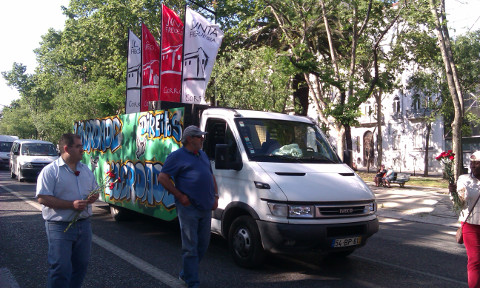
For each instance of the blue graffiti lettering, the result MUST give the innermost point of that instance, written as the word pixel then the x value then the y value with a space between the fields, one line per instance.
pixel 139 182
pixel 160 124
pixel 100 134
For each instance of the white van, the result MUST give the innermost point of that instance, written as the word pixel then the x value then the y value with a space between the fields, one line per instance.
pixel 6 142
pixel 28 157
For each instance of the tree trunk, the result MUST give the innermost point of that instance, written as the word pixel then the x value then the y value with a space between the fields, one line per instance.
pixel 427 140
pixel 378 99
pixel 453 85
pixel 300 95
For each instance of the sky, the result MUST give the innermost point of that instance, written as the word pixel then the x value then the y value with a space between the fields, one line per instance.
pixel 23 23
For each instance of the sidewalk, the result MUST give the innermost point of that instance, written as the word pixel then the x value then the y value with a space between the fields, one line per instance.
pixel 419 204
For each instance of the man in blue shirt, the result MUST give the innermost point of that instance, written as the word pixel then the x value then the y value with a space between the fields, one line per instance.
pixel 195 192
pixel 62 188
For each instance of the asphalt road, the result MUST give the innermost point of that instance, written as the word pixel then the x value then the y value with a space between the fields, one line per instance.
pixel 145 252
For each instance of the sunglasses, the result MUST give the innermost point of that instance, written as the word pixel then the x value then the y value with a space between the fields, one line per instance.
pixel 198 137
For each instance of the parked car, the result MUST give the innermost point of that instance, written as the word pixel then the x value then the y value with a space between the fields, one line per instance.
pixel 28 157
pixel 6 142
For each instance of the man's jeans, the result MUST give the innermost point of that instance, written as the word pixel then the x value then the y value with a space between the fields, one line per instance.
pixel 195 229
pixel 68 253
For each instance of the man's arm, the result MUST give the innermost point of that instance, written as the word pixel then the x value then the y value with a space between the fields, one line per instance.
pixel 166 182
pixel 56 203
pixel 215 204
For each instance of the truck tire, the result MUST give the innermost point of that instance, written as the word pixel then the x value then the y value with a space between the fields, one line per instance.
pixel 244 243
pixel 118 213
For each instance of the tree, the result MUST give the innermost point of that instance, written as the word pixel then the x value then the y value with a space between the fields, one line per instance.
pixel 437 9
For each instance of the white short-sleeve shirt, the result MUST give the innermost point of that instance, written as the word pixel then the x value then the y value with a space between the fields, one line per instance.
pixel 468 188
pixel 58 180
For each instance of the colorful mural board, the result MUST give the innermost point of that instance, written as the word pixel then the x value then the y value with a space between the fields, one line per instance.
pixel 134 146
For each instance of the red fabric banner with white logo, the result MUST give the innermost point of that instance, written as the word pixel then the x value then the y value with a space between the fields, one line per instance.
pixel 150 68
pixel 171 57
pixel 202 41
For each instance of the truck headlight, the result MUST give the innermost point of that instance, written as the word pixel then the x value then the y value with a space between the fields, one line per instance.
pixel 27 165
pixel 370 208
pixel 300 211
pixel 278 209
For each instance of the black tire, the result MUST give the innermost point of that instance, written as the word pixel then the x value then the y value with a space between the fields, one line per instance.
pixel 245 244
pixel 12 175
pixel 118 213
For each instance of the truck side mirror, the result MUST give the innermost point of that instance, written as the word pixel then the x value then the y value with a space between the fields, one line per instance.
pixel 222 160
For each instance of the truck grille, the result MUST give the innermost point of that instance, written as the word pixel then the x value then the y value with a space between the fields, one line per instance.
pixel 342 210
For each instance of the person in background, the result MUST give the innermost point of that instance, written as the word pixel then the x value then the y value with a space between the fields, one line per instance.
pixel 379 175
pixel 62 189
pixel 388 177
pixel 195 192
pixel 468 187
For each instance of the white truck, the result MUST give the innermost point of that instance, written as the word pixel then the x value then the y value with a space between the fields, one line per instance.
pixel 282 187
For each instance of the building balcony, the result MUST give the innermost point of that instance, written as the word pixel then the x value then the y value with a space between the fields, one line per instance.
pixel 418 113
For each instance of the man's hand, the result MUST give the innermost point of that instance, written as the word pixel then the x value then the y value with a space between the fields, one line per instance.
pixel 183 199
pixel 80 205
pixel 215 204
pixel 93 198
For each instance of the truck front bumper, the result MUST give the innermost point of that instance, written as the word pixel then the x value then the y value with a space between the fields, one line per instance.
pixel 288 238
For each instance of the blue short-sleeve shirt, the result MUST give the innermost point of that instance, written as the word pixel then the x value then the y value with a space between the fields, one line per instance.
pixel 193 176
pixel 58 180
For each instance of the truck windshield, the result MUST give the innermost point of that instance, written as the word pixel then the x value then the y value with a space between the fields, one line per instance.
pixel 269 140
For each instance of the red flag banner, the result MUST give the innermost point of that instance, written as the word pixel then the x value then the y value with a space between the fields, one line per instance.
pixel 172 49
pixel 150 68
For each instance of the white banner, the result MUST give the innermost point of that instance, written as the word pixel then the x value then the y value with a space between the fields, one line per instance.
pixel 202 41
pixel 134 73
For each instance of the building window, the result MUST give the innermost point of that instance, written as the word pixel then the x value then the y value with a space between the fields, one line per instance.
pixel 396 105
pixel 416 102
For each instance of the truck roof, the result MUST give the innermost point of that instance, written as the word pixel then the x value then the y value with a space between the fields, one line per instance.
pixel 255 114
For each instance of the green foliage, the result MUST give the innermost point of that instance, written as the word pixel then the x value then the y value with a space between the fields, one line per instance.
pixel 252 79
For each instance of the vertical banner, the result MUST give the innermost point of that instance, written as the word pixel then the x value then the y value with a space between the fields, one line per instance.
pixel 150 68
pixel 134 74
pixel 171 57
pixel 202 41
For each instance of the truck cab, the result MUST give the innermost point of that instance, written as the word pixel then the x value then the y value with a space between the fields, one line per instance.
pixel 282 187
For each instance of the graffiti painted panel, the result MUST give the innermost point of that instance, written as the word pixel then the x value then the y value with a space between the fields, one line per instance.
pixel 133 146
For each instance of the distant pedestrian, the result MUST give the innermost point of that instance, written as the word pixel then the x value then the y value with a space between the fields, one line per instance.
pixel 468 188
pixel 380 173
pixel 62 187
pixel 195 192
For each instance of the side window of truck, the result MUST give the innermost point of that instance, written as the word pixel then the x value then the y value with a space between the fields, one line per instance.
pixel 220 133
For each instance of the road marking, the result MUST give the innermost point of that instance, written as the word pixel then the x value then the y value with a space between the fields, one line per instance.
pixel 142 265
pixel 7 279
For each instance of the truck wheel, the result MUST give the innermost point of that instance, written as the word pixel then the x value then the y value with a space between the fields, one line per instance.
pixel 244 242
pixel 118 213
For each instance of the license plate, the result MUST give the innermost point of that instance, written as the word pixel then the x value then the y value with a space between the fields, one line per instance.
pixel 345 242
